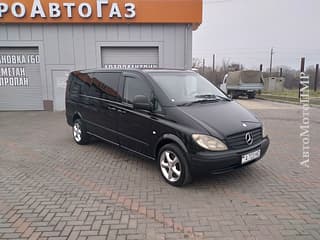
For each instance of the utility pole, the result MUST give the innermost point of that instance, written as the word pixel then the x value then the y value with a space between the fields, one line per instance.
pixel 203 65
pixel 316 78
pixel 271 61
pixel 303 63
pixel 214 63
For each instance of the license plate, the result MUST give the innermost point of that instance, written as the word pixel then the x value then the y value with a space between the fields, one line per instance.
pixel 251 156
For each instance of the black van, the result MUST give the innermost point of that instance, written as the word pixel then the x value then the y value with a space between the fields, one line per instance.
pixel 175 117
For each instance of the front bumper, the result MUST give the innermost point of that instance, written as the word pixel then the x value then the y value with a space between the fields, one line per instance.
pixel 219 162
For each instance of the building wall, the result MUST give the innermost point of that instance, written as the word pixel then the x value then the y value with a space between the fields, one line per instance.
pixel 66 47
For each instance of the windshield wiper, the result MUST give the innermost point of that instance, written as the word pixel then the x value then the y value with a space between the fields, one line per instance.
pixel 212 96
pixel 199 101
pixel 205 98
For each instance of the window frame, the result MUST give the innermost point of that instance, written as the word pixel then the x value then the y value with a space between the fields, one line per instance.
pixel 142 78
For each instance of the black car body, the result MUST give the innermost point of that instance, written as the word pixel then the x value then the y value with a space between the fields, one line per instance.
pixel 139 111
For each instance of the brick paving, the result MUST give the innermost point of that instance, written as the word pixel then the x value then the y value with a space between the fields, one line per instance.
pixel 51 188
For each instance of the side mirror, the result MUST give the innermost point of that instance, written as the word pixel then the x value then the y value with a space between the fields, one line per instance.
pixel 141 102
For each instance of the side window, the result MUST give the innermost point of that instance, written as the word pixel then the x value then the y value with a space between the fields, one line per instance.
pixel 75 88
pixel 157 106
pixel 84 88
pixel 135 86
pixel 84 80
pixel 107 84
pixel 94 91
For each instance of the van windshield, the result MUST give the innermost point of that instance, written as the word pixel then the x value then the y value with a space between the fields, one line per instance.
pixel 184 88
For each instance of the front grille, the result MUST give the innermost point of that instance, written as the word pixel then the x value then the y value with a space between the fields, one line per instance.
pixel 238 141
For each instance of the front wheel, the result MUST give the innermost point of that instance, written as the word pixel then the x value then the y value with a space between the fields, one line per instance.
pixel 252 95
pixel 79 131
pixel 173 165
pixel 234 95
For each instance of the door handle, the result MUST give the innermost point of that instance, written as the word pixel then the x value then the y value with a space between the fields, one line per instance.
pixel 112 109
pixel 122 111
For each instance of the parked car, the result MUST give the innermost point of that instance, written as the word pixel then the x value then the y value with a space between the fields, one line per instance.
pixel 242 83
pixel 177 118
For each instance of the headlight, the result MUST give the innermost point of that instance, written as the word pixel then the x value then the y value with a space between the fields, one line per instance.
pixel 209 143
pixel 264 133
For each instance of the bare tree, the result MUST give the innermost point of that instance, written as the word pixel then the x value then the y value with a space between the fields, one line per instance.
pixel 291 75
pixel 196 63
pixel 311 72
pixel 225 65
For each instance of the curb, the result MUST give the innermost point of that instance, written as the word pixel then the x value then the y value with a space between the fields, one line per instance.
pixel 284 101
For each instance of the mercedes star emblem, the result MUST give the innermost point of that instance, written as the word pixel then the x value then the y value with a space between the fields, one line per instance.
pixel 249 138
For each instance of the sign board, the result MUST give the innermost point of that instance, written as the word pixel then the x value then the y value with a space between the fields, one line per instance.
pixel 12 70
pixel 131 66
pixel 20 79
pixel 101 11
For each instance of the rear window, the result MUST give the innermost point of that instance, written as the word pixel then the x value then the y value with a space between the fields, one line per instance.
pixel 107 85
pixel 78 86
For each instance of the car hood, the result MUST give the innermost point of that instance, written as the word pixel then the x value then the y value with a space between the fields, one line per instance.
pixel 224 118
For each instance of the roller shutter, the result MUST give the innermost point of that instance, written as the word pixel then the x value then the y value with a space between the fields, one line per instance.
pixel 20 81
pixel 130 57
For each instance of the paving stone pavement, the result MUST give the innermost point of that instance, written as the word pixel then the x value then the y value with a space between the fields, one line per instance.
pixel 51 188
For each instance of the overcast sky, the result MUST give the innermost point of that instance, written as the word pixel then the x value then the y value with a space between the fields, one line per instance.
pixel 245 30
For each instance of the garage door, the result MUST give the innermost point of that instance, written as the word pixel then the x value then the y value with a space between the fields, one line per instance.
pixel 130 57
pixel 20 82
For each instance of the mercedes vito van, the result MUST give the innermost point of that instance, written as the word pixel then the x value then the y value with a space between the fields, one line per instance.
pixel 177 118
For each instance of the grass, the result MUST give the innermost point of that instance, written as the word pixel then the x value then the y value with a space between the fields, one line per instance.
pixel 291 93
pixel 290 96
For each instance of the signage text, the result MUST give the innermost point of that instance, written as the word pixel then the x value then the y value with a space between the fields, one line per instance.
pixel 131 66
pixel 101 9
pixel 12 71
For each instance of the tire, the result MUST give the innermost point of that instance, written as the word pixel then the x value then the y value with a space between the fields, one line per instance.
pixel 234 95
pixel 251 95
pixel 79 132
pixel 173 165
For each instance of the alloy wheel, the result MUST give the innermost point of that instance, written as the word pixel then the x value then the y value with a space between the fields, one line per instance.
pixel 77 132
pixel 170 166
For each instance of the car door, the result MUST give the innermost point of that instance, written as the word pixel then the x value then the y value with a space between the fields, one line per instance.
pixel 135 127
pixel 87 100
pixel 104 97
